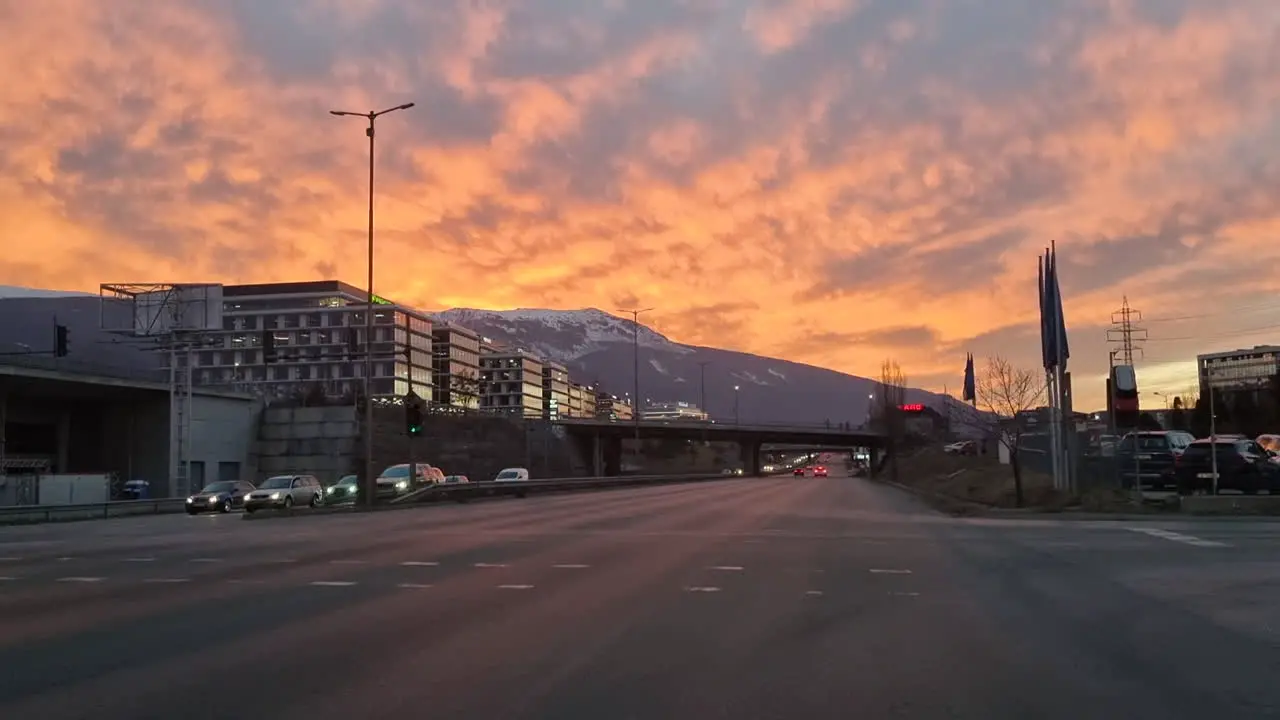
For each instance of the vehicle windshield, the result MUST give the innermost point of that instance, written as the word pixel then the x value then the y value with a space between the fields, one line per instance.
pixel 219 487
pixel 276 483
pixel 1145 442
pixel 396 471
pixel 508 474
pixel 347 480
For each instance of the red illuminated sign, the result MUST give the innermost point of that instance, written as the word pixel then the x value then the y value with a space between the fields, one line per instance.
pixel 913 408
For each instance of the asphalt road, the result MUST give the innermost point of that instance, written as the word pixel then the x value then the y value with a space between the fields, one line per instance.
pixel 786 598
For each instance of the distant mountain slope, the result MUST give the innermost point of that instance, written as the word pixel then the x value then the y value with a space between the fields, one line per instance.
pixel 597 348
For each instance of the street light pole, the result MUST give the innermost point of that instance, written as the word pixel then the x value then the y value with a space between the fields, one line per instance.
pixel 736 388
pixel 702 386
pixel 369 485
pixel 635 364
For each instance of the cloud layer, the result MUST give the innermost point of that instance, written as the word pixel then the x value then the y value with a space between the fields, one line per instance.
pixel 831 181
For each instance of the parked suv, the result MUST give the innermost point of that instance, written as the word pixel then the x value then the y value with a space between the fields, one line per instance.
pixel 1243 465
pixel 1150 456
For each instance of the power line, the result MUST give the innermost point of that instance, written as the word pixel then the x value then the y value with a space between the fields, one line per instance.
pixel 1248 307
pixel 1125 333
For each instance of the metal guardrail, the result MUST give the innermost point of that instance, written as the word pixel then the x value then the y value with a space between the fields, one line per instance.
pixel 521 488
pixel 28 514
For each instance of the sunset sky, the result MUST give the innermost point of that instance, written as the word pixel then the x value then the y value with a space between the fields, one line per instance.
pixel 828 181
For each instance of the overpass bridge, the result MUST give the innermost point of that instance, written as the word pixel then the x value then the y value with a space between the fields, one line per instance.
pixel 601 439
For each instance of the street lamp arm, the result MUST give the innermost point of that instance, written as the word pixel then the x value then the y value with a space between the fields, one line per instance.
pixel 344 112
pixel 405 106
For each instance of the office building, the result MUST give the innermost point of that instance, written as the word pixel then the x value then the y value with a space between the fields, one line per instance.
pixel 511 381
pixel 1237 370
pixel 555 391
pixel 316 333
pixel 455 366
pixel 609 407
pixel 674 411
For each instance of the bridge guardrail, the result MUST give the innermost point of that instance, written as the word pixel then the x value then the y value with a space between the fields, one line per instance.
pixel 30 514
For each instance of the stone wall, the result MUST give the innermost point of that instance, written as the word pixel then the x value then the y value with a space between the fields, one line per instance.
pixel 320 441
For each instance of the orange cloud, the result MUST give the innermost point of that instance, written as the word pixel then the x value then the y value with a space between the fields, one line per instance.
pixel 830 181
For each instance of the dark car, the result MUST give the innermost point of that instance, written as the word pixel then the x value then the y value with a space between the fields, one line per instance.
pixel 1150 456
pixel 1242 465
pixel 799 472
pixel 219 497
pixel 343 491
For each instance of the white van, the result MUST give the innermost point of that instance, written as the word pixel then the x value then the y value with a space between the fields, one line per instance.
pixel 512 475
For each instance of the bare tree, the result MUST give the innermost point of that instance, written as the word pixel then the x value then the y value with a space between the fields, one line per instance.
pixel 465 389
pixel 890 394
pixel 1005 391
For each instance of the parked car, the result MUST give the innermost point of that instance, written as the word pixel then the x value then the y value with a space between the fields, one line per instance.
pixel 343 491
pixel 219 497
pixel 1242 465
pixel 285 491
pixel 1149 456
pixel 963 447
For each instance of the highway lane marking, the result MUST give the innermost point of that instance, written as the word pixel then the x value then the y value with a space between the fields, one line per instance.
pixel 905 594
pixel 140 559
pixel 813 593
pixel 81 579
pixel 515 587
pixel 889 571
pixel 727 568
pixel 702 589
pixel 166 581
pixel 10 559
pixel 333 583
pixel 413 586
pixel 490 565
pixel 206 560
pixel 570 566
pixel 7 578
pixel 65 559
pixel 420 563
pixel 1178 537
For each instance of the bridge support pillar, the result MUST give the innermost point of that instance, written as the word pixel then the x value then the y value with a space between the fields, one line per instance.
pixel 610 453
pixel 873 462
pixel 750 457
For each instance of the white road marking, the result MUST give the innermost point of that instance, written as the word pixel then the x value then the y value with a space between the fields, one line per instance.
pixel 206 560
pixel 348 562
pixel 419 563
pixel 7 578
pixel 726 568
pixel 81 579
pixel 813 593
pixel 65 559
pixel 570 566
pixel 333 583
pixel 490 565
pixel 702 589
pixel 1178 537
pixel 905 594
pixel 166 581
pixel 10 559
pixel 413 586
pixel 883 571
pixel 140 559
pixel 515 587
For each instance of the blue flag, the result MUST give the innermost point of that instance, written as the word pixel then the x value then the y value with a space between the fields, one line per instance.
pixel 1046 314
pixel 970 388
pixel 1062 351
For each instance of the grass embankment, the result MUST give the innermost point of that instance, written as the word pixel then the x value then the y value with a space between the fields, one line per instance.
pixel 963 485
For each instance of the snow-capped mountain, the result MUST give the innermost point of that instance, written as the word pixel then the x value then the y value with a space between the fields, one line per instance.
pixel 597 347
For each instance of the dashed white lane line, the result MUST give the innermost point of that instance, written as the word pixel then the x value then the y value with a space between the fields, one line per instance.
pixel 413 586
pixel 1178 537
pixel 702 589
pixel 333 583
pixel 139 559
pixel 889 571
pixel 570 566
pixel 7 578
pixel 726 568
pixel 515 587
pixel 490 565
pixel 905 594
pixel 813 593
pixel 420 563
pixel 66 558
pixel 81 579
pixel 166 581
pixel 10 559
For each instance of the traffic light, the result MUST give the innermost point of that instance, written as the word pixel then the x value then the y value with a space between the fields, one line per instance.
pixel 61 340
pixel 269 354
pixel 413 418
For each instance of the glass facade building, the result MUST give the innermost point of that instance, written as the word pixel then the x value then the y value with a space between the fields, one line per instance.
pixel 1238 370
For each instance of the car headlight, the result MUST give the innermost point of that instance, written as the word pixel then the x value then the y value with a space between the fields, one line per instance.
pixel 402 485
pixel 191 500
pixel 331 490
pixel 275 496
